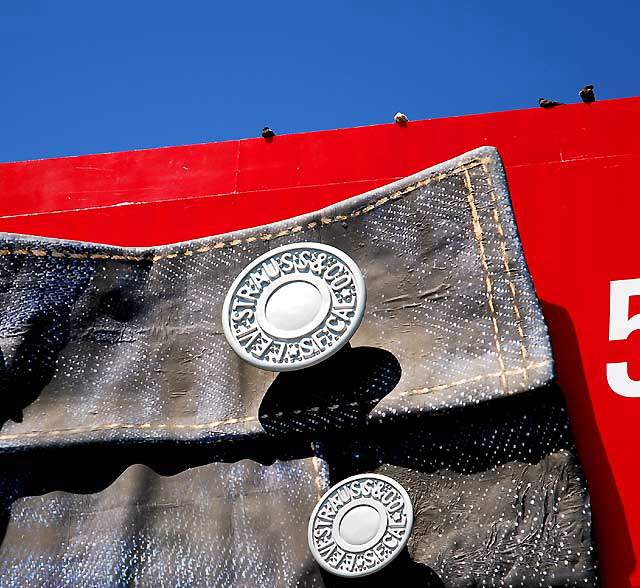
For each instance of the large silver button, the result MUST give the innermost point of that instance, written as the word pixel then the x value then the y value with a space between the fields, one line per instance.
pixel 294 306
pixel 360 525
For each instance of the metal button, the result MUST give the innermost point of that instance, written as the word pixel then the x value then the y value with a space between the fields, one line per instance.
pixel 360 525
pixel 294 306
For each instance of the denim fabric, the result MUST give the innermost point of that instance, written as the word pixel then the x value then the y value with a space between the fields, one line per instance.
pixel 114 357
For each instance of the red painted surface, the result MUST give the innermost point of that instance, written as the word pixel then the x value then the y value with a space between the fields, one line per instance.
pixel 571 172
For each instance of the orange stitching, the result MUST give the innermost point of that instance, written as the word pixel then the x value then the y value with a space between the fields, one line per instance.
pixel 507 269
pixel 477 231
pixel 512 372
pixel 233 421
pixel 265 236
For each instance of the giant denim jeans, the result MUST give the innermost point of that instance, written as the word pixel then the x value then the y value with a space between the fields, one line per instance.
pixel 138 450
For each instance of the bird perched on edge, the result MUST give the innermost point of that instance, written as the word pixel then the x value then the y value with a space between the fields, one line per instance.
pixel 543 103
pixel 267 133
pixel 400 118
pixel 587 94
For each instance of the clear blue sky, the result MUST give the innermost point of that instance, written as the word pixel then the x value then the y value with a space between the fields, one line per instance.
pixel 86 77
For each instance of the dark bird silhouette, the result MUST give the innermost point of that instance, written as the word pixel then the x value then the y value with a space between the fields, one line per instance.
pixel 587 94
pixel 267 133
pixel 548 103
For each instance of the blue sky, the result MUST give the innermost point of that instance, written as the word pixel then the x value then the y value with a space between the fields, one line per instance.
pixel 88 77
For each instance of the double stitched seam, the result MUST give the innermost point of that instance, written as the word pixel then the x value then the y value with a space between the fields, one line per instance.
pixel 507 270
pixel 479 235
pixel 249 419
pixel 477 230
pixel 262 237
pixel 512 372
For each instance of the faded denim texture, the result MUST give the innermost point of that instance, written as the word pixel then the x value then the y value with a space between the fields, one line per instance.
pixel 113 357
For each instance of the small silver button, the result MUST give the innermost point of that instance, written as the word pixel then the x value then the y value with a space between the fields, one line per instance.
pixel 360 525
pixel 294 306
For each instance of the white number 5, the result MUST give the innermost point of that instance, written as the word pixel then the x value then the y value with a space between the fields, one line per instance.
pixel 620 327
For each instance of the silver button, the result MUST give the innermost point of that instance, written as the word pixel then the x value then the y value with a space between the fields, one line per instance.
pixel 360 525
pixel 294 306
